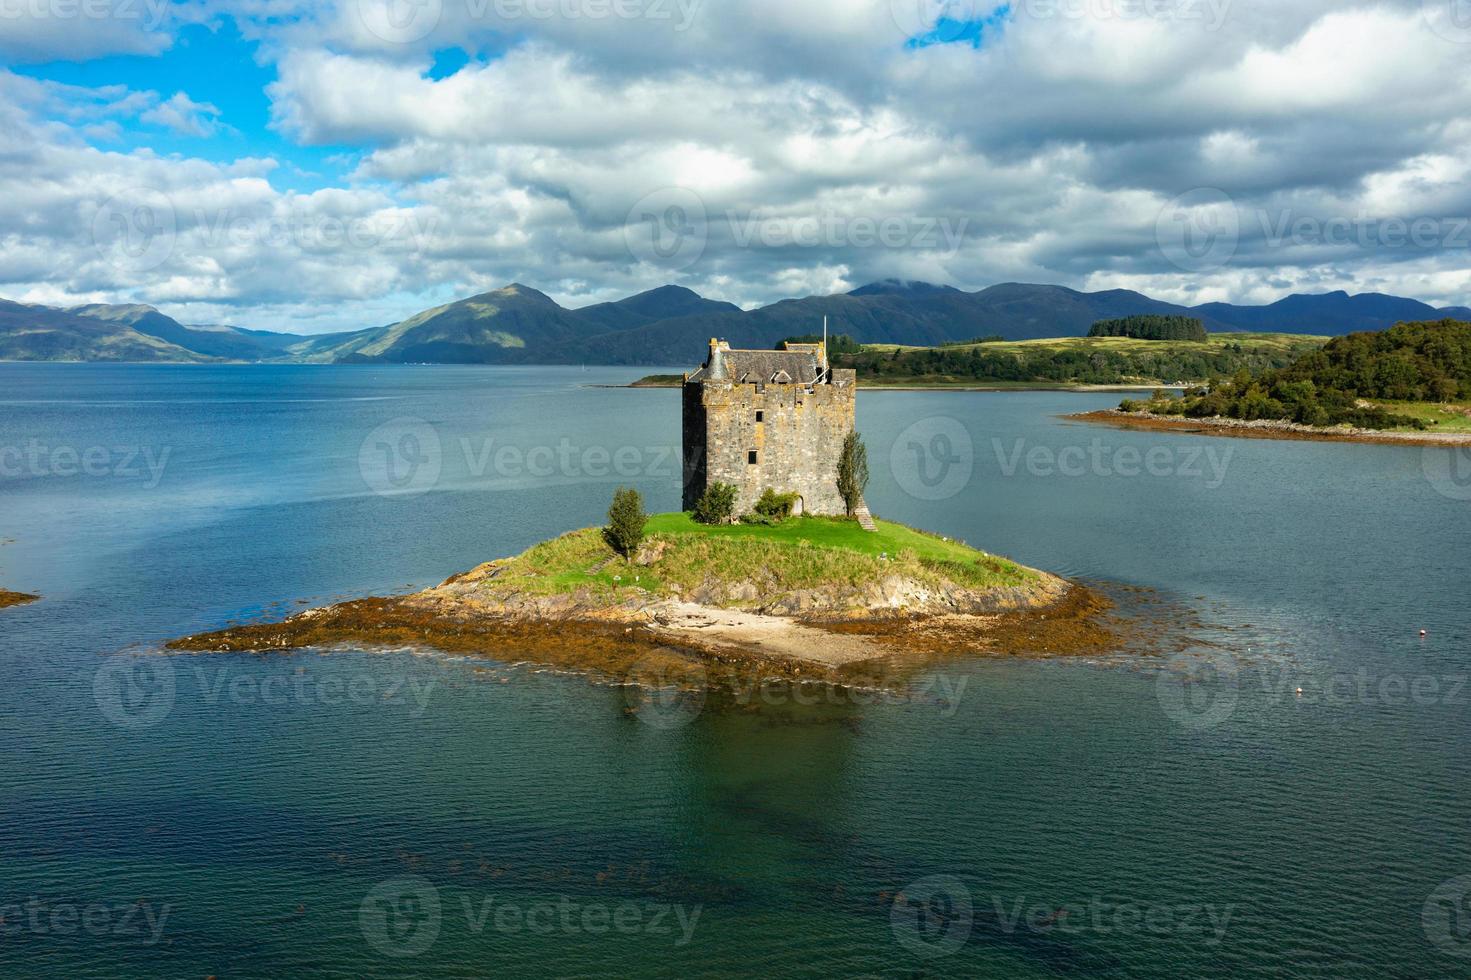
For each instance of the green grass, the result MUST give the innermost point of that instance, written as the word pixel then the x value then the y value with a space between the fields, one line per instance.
pixel 1442 418
pixel 799 553
pixel 824 532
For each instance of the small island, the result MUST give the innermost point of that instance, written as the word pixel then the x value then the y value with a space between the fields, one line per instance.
pixel 8 599
pixel 801 582
pixel 809 597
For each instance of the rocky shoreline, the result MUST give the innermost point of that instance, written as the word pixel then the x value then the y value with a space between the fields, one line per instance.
pixel 8 599
pixel 583 631
pixel 1266 429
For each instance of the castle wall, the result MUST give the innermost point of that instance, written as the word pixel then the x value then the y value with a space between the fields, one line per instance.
pixel 797 442
pixel 694 443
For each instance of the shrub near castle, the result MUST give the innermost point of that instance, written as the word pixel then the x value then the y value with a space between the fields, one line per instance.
pixel 716 505
pixel 772 508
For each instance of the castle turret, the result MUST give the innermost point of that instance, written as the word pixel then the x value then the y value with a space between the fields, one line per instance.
pixel 715 369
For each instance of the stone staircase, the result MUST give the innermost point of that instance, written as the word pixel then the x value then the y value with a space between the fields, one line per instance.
pixel 865 519
pixel 595 569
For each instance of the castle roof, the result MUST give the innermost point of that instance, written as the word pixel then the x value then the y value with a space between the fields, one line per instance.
pixel 761 366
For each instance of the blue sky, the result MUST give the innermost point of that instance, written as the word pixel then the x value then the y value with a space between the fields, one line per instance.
pixel 215 65
pixel 973 31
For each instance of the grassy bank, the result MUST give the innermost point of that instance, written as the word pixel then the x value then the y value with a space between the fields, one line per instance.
pixel 1439 417
pixel 680 556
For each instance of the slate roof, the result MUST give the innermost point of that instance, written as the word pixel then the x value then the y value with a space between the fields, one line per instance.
pixel 760 366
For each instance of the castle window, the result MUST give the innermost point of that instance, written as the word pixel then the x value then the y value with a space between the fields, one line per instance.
pixel 760 415
pixel 751 457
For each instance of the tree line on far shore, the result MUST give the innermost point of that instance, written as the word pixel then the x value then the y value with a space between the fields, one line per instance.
pixel 1151 326
pixel 1413 362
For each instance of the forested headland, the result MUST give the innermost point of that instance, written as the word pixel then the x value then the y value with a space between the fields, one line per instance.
pixel 1340 383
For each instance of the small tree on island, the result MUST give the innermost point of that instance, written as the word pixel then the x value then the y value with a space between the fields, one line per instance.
pixel 626 520
pixel 853 471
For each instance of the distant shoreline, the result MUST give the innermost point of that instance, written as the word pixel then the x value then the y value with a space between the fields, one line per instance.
pixel 8 599
pixel 1266 429
pixel 942 386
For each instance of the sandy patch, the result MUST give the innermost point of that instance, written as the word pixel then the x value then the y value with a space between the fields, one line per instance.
pixel 774 636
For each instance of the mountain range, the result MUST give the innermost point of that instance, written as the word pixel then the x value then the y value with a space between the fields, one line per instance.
pixel 665 326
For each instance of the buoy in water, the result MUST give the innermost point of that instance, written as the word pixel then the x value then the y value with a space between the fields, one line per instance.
pixel 1423 633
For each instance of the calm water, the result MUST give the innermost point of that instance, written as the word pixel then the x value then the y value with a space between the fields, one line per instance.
pixel 361 814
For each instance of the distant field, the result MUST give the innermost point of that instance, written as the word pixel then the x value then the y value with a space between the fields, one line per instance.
pixel 1292 343
pixel 1078 361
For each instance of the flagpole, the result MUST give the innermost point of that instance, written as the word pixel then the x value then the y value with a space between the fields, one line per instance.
pixel 825 363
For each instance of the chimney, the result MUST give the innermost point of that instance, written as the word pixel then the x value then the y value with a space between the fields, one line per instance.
pixel 716 370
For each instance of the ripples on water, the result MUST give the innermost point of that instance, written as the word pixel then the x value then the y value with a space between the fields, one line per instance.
pixel 272 799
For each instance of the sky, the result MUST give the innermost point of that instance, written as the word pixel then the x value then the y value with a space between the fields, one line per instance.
pixel 333 165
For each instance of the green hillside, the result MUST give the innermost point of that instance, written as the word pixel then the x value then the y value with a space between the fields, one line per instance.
pixel 40 333
pixel 1078 360
pixel 512 325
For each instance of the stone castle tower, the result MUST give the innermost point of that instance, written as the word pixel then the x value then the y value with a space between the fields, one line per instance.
pixel 761 418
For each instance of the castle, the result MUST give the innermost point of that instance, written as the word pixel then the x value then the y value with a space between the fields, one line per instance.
pixel 768 418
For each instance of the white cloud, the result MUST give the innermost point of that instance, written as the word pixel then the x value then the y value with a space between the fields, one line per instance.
pixel 35 31
pixel 183 115
pixel 1046 154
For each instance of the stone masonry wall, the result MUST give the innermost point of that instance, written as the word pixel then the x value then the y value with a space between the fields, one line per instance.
pixel 797 441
